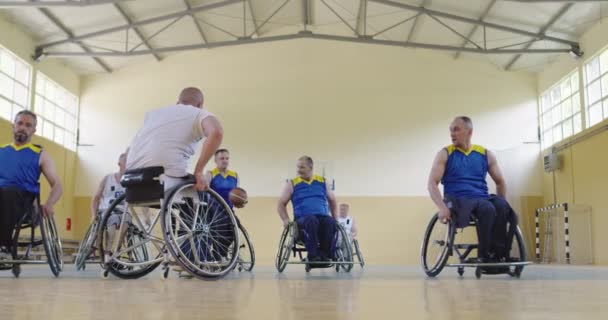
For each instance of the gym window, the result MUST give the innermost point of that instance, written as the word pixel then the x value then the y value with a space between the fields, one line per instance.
pixel 596 88
pixel 14 84
pixel 560 111
pixel 57 110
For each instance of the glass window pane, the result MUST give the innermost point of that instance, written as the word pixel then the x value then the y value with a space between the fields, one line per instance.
pixel 60 117
pixel 22 73
pixel 577 125
pixel 20 95
pixel 73 105
pixel 567 127
pixel 605 86
pixel 574 81
pixel 565 88
pixel 49 110
pixel 556 115
pixel 594 93
pixel 548 137
pixel 59 135
pixel 60 99
pixel 557 133
pixel 16 109
pixel 40 83
pixel 556 95
pixel 49 130
pixel 70 142
pixel 7 64
pixel 604 61
pixel 70 123
pixel 576 103
pixel 605 109
pixel 567 108
pixel 6 86
pixel 5 109
pixel 546 102
pixel 39 105
pixel 548 120
pixel 595 114
pixel 50 92
pixel 592 70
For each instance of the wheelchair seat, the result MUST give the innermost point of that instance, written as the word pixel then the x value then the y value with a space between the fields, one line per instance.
pixel 143 185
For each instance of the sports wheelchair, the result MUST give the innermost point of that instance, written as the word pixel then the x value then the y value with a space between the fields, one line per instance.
pixel 439 244
pixel 198 230
pixel 24 237
pixel 291 243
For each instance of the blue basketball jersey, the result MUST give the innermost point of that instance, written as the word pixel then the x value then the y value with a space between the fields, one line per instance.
pixel 20 167
pixel 223 184
pixel 465 173
pixel 309 197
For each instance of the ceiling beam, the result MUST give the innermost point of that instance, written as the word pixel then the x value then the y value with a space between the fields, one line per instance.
pixel 410 35
pixel 475 27
pixel 305 35
pixel 197 24
pixel 542 31
pixel 66 3
pixel 127 18
pixel 49 15
pixel 362 18
pixel 175 15
pixel 473 21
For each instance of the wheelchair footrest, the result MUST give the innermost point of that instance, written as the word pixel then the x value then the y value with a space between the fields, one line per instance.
pixel 23 262
pixel 489 264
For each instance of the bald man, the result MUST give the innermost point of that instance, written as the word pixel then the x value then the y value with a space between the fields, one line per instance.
pixel 170 135
pixel 462 169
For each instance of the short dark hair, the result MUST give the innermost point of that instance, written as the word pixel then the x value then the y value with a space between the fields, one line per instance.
pixel 466 120
pixel 27 113
pixel 221 151
pixel 308 160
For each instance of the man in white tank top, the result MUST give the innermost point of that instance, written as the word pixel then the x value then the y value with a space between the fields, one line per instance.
pixel 109 189
pixel 170 136
pixel 347 221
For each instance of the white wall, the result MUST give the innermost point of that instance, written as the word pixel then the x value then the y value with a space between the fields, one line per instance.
pixel 379 114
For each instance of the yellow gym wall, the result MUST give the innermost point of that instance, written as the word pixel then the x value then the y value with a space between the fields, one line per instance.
pixel 21 44
pixel 582 178
pixel 377 114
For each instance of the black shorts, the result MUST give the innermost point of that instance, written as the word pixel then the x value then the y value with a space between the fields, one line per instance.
pixel 14 205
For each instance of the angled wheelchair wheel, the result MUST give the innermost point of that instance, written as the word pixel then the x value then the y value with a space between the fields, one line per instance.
pixel 135 251
pixel 518 251
pixel 344 251
pixel 201 232
pixel 286 244
pixel 436 246
pixel 87 244
pixel 52 243
pixel 358 253
pixel 246 251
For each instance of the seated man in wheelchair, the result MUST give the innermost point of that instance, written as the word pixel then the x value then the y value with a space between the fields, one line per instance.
pixel 462 168
pixel 315 212
pixel 348 222
pixel 22 162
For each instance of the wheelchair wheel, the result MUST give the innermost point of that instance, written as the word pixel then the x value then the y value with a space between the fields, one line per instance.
pixel 285 246
pixel 518 251
pixel 87 245
pixel 358 253
pixel 344 251
pixel 132 258
pixel 436 246
pixel 201 232
pixel 52 243
pixel 246 252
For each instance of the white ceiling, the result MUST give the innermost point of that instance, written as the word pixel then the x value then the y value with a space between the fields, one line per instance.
pixel 223 24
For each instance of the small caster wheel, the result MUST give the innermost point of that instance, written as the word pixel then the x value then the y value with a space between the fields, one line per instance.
pixel 84 267
pixel 105 274
pixel 337 268
pixel 461 271
pixel 307 268
pixel 16 270
pixel 478 273
pixel 165 274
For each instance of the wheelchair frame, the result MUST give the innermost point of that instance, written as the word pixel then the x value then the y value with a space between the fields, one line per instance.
pixel 49 240
pixel 294 246
pixel 463 250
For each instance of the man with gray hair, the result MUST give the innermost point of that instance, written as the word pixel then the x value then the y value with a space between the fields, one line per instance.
pixel 462 168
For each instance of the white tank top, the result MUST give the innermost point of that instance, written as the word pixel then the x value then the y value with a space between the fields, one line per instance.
pixel 347 223
pixel 168 138
pixel 111 190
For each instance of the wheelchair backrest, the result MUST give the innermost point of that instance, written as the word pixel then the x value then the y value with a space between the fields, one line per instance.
pixel 143 185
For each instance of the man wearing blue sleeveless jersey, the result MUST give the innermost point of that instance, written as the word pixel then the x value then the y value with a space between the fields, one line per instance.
pixel 314 208
pixel 22 163
pixel 462 169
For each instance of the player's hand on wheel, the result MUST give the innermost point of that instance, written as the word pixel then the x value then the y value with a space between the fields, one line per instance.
pixel 48 210
pixel 444 215
pixel 201 182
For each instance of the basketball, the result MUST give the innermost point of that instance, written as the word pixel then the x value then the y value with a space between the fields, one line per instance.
pixel 238 197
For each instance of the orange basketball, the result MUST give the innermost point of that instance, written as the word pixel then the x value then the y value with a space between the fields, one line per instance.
pixel 238 197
